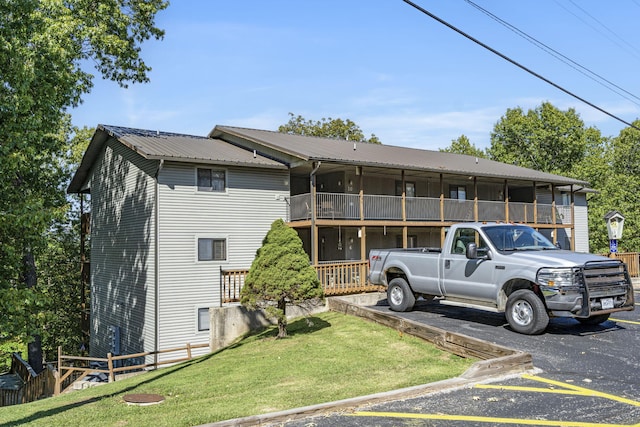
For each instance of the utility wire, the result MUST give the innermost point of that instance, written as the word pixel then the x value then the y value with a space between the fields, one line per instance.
pixel 573 64
pixel 517 64
pixel 606 28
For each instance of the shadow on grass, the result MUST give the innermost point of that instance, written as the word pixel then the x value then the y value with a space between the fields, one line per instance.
pixel 301 326
pixel 298 327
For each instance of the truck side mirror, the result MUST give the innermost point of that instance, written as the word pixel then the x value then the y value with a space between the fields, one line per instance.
pixel 472 252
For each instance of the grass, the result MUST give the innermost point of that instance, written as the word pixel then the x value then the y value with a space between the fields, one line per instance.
pixel 327 357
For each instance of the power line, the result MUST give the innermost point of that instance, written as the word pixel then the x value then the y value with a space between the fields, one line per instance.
pixel 517 64
pixel 606 28
pixel 573 64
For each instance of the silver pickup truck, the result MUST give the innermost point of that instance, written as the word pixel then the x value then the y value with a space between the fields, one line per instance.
pixel 508 268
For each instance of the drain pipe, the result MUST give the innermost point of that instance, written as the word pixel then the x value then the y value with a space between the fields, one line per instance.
pixel 312 190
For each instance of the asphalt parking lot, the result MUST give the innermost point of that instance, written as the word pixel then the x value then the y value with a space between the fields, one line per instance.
pixel 586 376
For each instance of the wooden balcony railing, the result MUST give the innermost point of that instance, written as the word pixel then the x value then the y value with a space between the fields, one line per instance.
pixel 382 207
pixel 231 281
pixel 632 259
pixel 336 278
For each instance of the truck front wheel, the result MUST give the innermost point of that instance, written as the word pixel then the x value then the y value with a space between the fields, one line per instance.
pixel 526 313
pixel 399 295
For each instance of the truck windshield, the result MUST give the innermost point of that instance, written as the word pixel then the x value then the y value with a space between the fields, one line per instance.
pixel 517 238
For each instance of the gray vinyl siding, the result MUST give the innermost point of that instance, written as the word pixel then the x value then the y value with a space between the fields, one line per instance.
pixel 122 256
pixel 581 220
pixel 242 215
pixel 581 223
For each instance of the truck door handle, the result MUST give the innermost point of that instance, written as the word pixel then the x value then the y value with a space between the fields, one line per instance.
pixel 447 263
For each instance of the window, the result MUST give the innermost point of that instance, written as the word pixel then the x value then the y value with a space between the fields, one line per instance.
pixel 203 319
pixel 458 192
pixel 463 237
pixel 211 180
pixel 212 249
pixel 409 188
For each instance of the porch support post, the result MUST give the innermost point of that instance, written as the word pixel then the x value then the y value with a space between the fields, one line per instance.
pixel 314 227
pixel 361 193
pixel 506 200
pixel 475 198
pixel 553 213
pixel 363 243
pixel 573 221
pixel 404 200
pixel 535 203
pixel 441 199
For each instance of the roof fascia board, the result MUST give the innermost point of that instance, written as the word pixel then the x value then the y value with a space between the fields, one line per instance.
pixel 98 141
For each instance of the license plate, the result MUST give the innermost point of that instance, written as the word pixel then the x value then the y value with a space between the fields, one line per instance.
pixel 606 303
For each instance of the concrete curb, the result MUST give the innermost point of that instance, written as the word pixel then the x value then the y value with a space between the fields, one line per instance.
pixel 496 362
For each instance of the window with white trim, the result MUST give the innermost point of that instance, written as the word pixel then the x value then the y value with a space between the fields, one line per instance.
pixel 214 180
pixel 210 249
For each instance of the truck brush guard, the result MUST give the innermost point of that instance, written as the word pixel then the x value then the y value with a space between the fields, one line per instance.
pixel 607 287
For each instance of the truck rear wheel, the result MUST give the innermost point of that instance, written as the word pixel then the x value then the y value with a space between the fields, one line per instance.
pixel 399 295
pixel 526 313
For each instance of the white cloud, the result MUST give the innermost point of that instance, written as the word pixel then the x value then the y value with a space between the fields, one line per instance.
pixel 429 130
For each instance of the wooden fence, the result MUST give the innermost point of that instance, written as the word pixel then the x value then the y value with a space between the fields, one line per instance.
pixel 345 278
pixel 34 386
pixel 341 278
pixel 632 259
pixel 75 368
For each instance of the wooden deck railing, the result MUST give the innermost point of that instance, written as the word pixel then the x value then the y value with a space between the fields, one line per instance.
pixel 231 281
pixel 339 278
pixel 384 207
pixel 345 278
pixel 632 259
pixel 74 368
pixel 34 387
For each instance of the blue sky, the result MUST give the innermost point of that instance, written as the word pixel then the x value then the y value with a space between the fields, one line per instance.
pixel 394 71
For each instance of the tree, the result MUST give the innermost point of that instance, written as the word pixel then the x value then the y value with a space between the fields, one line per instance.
pixel 280 274
pixel 43 48
pixel 615 174
pixel 462 145
pixel 545 139
pixel 329 128
pixel 555 141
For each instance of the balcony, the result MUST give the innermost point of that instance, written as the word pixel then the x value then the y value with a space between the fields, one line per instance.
pixel 341 206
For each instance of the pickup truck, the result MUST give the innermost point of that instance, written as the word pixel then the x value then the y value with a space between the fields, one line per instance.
pixel 505 268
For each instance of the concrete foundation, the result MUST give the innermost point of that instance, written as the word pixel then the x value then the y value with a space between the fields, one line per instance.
pixel 232 322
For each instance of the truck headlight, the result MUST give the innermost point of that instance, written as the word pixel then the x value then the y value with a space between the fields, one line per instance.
pixel 556 277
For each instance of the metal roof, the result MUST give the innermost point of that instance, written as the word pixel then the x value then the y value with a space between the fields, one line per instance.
pixel 156 145
pixel 310 148
pixel 228 145
pixel 179 147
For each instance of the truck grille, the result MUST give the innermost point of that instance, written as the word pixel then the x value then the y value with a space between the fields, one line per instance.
pixel 606 279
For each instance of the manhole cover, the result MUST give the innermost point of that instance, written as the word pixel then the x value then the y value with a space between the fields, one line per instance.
pixel 143 399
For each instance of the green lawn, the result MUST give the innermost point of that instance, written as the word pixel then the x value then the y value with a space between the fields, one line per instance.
pixel 327 357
